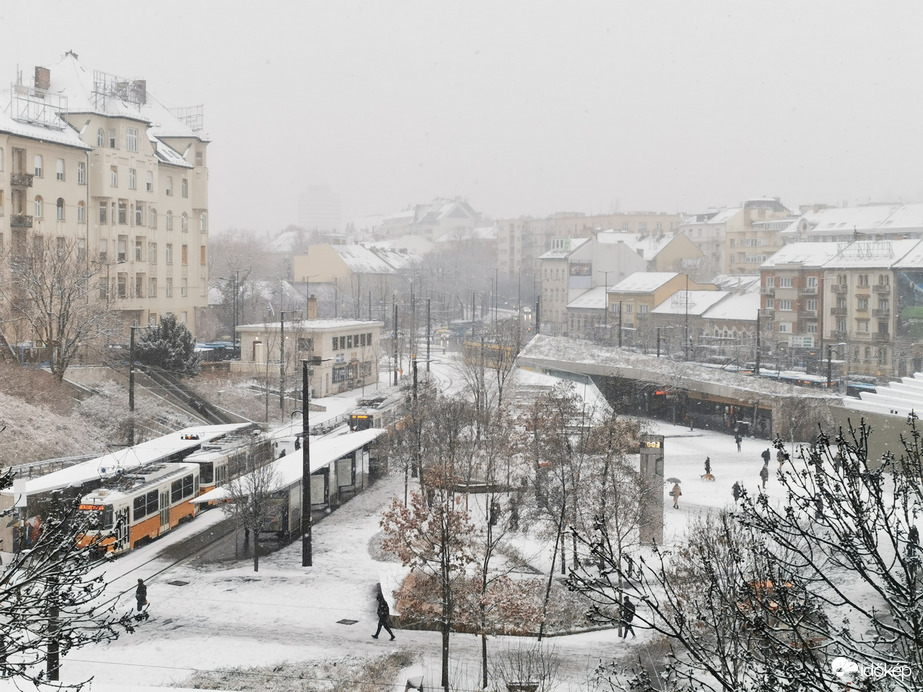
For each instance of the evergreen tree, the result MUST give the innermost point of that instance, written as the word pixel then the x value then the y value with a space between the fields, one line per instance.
pixel 169 346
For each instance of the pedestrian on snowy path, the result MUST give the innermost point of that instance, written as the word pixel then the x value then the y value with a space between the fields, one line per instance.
pixel 738 439
pixel 628 614
pixel 767 455
pixel 707 466
pixel 764 474
pixel 384 618
pixel 675 493
pixel 141 599
pixel 737 490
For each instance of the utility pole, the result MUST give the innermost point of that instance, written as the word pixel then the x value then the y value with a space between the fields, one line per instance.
pixel 131 386
pixel 756 369
pixel 282 362
pixel 620 324
pixel 306 518
pixel 429 338
pixel 394 341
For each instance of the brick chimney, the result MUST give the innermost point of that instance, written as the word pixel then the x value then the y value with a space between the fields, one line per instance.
pixel 42 78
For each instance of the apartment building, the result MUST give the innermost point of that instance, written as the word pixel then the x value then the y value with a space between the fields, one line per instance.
pixel 753 234
pixel 89 157
pixel 874 291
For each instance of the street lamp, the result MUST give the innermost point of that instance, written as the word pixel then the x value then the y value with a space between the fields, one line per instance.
pixel 236 281
pixel 306 518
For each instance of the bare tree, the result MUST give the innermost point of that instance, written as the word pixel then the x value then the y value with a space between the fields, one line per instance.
pixel 49 602
pixel 48 284
pixel 253 496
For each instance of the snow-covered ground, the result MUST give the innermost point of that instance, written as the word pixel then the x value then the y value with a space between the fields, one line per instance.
pixel 207 617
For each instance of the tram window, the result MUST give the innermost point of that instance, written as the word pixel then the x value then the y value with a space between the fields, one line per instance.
pixel 140 508
pixel 176 491
pixel 207 472
pixel 188 486
pixel 152 505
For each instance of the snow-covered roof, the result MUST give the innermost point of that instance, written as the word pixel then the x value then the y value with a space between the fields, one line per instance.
pixel 647 246
pixel 739 307
pixel 894 398
pixel 643 282
pixel 127 459
pixel 308 325
pixel 411 244
pixel 59 133
pixel 563 252
pixel 871 254
pixel 592 299
pixel 807 254
pixel 724 215
pixel 913 259
pixel 871 219
pixel 480 233
pixel 740 283
pixel 396 258
pixel 698 302
pixel 361 260
pixel 324 451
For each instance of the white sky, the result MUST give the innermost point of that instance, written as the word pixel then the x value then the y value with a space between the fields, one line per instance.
pixel 522 107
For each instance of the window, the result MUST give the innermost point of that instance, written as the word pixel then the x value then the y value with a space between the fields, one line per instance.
pixel 100 137
pixel 785 327
pixel 169 253
pixel 139 285
pixel 811 304
pixel 81 249
pixel 114 176
pixel 38 165
pixel 132 179
pixel 152 288
pixel 862 304
pixel 1 211
pixel 131 139
pixel 59 170
pixel 153 218
pixel 184 255
pixel 349 341
pixel 152 253
pixel 112 138
pixel 642 309
pixel 184 186
pixel 884 304
pixel 169 186
pixel 1 158
pixel 785 305
pixel 771 303
pixel 139 213
pixel 169 287
pixel 336 343
pixel 169 220
pixel 150 181
pixel 38 206
pixel 202 255
pixel 59 209
pixel 203 222
pixel 123 211
pixel 785 282
pixel 770 282
pixel 811 282
pixel 103 207
pixel 139 248
pixel 122 285
pixel 184 222
pixel 81 173
pixel 841 325
pixel 102 248
pixel 123 248
pixel 184 287
pixel 139 506
pixel 305 344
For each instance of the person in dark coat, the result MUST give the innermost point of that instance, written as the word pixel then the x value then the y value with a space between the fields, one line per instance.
pixel 764 474
pixel 384 618
pixel 141 595
pixel 767 455
pixel 707 466
pixel 628 614
pixel 737 490
pixel 738 439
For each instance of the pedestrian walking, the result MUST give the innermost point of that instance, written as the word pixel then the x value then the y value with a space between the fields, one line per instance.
pixel 628 614
pixel 736 490
pixel 764 474
pixel 141 599
pixel 767 455
pixel 707 466
pixel 738 439
pixel 384 618
pixel 675 493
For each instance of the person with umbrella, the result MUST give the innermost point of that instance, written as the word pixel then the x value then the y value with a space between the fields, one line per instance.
pixel 675 492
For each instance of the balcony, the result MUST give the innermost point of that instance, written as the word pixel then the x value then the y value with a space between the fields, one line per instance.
pixel 838 336
pixel 881 337
pixel 882 288
pixel 768 290
pixel 839 288
pixel 881 312
pixel 807 314
pixel 20 221
pixel 838 312
pixel 808 291
pixel 21 180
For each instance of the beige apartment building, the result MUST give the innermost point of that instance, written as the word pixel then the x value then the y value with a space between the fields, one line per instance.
pixel 89 157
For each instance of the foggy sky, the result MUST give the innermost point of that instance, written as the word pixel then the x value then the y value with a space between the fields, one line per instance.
pixel 523 108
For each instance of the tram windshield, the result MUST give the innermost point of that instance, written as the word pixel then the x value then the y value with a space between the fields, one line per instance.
pixel 206 473
pixel 97 516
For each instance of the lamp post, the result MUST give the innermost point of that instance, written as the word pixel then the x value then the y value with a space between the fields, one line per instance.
pixel 236 282
pixel 131 385
pixel 306 518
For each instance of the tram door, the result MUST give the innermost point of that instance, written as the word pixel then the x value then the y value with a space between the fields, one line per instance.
pixel 122 529
pixel 165 510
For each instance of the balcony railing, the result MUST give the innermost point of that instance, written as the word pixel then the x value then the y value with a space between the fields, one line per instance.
pixel 838 336
pixel 838 312
pixel 21 180
pixel 881 337
pixel 881 312
pixel 768 290
pixel 839 288
pixel 808 290
pixel 807 314
pixel 20 221
pixel 882 288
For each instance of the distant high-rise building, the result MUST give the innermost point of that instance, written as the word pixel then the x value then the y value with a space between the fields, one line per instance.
pixel 319 209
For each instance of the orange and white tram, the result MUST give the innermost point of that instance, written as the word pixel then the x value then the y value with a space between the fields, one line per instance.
pixel 140 506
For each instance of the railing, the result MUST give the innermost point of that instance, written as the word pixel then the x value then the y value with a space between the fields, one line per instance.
pixel 839 288
pixel 768 291
pixel 807 314
pixel 808 291
pixel 838 336
pixel 21 180
pixel 838 312
pixel 881 312
pixel 20 221
pixel 881 337
pixel 882 288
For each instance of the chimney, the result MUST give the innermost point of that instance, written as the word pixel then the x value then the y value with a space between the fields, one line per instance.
pixel 42 78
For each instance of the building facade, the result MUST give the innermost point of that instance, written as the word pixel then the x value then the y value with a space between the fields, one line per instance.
pixel 90 158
